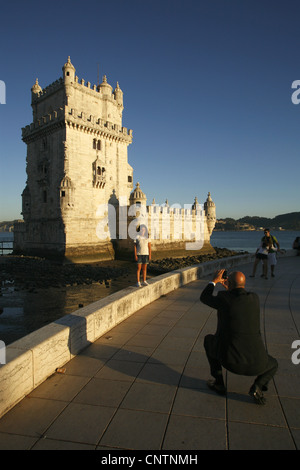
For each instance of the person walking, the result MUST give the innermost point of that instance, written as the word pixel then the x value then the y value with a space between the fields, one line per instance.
pixel 274 247
pixel 261 255
pixel 237 344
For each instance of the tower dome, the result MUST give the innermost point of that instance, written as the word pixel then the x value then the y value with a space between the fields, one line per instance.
pixel 137 196
pixel 36 89
pixel 105 87
pixel 196 206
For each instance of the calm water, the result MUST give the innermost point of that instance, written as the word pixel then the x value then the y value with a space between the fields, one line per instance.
pixel 249 241
pixel 240 241
pixel 6 237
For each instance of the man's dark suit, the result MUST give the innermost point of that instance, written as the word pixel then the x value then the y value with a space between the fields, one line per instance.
pixel 237 344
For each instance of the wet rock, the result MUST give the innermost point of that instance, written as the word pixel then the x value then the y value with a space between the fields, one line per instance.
pixel 32 273
pixel 171 264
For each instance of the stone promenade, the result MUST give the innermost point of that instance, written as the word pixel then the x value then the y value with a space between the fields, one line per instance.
pixel 143 384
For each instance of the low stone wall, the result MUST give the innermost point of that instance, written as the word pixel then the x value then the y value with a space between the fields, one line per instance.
pixel 32 359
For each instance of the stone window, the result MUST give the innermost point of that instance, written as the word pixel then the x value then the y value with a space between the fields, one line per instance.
pixel 44 144
pixel 66 194
pixel 99 174
pixel 97 144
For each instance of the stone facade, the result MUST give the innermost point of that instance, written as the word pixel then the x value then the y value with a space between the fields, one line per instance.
pixel 77 167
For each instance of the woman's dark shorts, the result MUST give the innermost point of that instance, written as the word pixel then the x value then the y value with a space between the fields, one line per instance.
pixel 143 259
pixel 261 256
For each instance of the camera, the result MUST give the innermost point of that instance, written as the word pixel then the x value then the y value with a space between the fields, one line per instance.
pixel 225 274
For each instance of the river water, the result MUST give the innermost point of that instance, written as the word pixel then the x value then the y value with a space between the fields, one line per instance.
pixel 250 240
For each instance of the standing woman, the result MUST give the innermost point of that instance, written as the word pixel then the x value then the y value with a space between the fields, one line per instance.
pixel 142 254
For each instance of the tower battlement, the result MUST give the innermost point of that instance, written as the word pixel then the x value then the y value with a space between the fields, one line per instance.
pixel 81 121
pixel 41 123
pixel 39 93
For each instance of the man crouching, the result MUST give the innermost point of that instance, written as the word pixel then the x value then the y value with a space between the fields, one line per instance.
pixel 237 344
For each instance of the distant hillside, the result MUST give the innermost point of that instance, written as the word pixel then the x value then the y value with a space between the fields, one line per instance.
pixel 8 226
pixel 289 221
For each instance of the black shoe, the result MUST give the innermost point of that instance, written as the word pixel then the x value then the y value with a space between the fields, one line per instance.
pixel 218 388
pixel 257 394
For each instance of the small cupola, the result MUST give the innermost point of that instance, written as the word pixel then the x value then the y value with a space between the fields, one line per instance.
pixel 36 89
pixel 104 87
pixel 137 196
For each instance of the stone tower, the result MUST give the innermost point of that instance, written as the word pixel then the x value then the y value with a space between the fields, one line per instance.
pixel 76 162
pixel 210 212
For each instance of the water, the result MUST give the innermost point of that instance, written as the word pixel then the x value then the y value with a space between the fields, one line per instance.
pixel 249 241
pixel 6 237
pixel 239 241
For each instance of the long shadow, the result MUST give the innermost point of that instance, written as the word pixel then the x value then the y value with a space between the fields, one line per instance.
pixel 151 369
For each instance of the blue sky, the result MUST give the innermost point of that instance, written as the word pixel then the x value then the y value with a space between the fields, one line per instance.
pixel 207 92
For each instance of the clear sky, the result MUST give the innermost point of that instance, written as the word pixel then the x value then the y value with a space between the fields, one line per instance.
pixel 207 92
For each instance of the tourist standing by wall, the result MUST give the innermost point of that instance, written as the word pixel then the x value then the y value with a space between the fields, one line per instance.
pixel 142 254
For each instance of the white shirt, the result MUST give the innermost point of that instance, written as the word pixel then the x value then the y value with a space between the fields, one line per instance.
pixel 142 245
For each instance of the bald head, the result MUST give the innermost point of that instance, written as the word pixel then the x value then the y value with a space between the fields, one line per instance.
pixel 236 280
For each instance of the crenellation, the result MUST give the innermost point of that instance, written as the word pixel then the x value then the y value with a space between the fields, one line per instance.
pixel 48 90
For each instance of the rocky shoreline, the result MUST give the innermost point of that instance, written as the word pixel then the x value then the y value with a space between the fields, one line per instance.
pixel 30 273
pixel 170 264
pixel 38 273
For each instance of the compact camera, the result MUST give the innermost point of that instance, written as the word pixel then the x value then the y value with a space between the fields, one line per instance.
pixel 225 274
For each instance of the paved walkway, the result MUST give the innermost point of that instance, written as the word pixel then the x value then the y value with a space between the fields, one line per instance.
pixel 143 384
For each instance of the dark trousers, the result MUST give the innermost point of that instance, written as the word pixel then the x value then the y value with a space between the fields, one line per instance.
pixel 262 380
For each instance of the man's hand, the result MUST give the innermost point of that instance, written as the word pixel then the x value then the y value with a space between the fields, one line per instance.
pixel 218 279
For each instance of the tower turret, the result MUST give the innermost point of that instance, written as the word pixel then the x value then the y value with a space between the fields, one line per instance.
pixel 196 206
pixel 35 93
pixel 118 94
pixel 210 212
pixel 68 72
pixel 137 196
pixel 36 89
pixel 105 88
